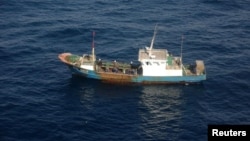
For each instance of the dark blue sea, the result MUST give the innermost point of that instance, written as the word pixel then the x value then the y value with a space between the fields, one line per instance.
pixel 41 101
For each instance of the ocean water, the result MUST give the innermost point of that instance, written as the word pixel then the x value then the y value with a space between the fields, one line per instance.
pixel 41 101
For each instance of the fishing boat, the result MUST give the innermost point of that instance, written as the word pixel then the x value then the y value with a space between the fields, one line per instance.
pixel 154 66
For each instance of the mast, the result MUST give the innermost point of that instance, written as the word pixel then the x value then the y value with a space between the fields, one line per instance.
pixel 152 42
pixel 93 47
pixel 182 38
pixel 153 39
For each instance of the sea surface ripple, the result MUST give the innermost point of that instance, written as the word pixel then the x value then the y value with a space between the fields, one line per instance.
pixel 41 100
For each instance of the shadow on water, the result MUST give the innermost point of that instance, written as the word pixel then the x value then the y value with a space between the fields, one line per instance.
pixel 141 111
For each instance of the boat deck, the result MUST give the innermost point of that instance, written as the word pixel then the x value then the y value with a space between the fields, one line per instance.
pixel 115 67
pixel 196 69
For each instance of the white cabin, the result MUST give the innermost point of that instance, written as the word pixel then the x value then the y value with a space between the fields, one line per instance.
pixel 158 62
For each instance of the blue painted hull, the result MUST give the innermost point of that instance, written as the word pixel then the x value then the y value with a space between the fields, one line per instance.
pixel 112 77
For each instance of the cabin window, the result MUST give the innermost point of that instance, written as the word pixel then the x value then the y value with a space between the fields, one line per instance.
pixel 148 63
pixel 156 63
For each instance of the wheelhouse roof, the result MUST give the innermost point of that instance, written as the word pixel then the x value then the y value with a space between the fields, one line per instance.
pixel 156 54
